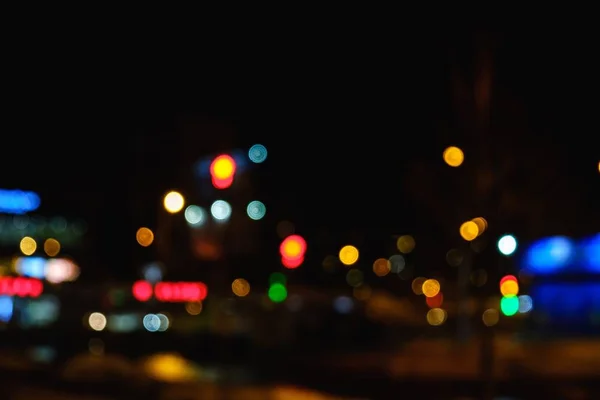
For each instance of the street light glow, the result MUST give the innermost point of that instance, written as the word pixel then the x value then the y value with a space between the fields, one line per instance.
pixel 173 202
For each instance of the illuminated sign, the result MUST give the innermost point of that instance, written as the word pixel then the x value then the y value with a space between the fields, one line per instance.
pixel 560 254
pixel 18 201
pixel 20 287
pixel 172 292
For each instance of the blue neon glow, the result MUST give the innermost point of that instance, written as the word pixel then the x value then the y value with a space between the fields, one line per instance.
pixel 549 255
pixel 567 302
pixel 18 201
pixel 6 308
pixel 590 253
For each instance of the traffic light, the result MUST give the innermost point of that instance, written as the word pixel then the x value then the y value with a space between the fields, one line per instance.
pixel 509 287
pixel 292 250
pixel 222 171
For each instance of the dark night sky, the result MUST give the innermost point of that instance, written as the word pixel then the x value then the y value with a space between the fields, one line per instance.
pixel 334 117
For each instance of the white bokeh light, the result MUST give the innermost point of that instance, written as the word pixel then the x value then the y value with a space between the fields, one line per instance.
pixel 220 210
pixel 507 245
pixel 195 216
pixel 97 321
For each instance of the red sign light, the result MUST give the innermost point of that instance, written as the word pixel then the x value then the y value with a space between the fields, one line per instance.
pixel 172 292
pixel 21 287
pixel 180 291
pixel 142 290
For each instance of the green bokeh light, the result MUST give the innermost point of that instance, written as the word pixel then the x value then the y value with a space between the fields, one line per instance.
pixel 277 293
pixel 509 305
pixel 277 277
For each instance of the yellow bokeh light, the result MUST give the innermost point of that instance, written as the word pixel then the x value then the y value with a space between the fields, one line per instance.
pixel 490 317
pixel 469 231
pixel 292 248
pixel 453 156
pixel 509 288
pixel 173 202
pixel 417 285
pixel 28 246
pixel 348 255
pixel 51 247
pixel 436 316
pixel 405 244
pixel 223 168
pixel 240 287
pixel 193 308
pixel 431 287
pixel 481 224
pixel 144 236
pixel 382 267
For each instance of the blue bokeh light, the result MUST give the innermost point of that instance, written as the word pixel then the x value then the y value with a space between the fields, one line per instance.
pixel 18 201
pixel 549 255
pixel 257 153
pixel 590 253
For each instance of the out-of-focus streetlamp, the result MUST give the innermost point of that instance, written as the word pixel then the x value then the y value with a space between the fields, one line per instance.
pixel 173 202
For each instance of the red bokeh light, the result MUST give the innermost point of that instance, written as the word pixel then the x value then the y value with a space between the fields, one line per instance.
pixel 506 279
pixel 180 291
pixel 222 183
pixel 142 290
pixel 222 171
pixel 293 247
pixel 292 263
pixel 21 287
pixel 435 301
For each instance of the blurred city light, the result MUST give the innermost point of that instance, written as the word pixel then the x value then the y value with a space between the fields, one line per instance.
pixel 348 255
pixel 431 288
pixel 97 321
pixel 509 305
pixel 6 308
pixel 256 210
pixel 507 245
pixel 240 287
pixel 20 287
pixel 490 317
pixel 222 171
pixel 28 246
pixel 180 292
pixel 277 277
pixel 481 223
pixel 343 304
pixel 469 231
pixel 18 201
pixel 382 267
pixel 292 250
pixel 277 293
pixel 405 244
pixel 549 255
pixel 591 253
pixel 144 237
pixel 436 316
pixel 220 210
pixel 173 202
pixel 142 290
pixel 525 304
pixel 257 153
pixel 51 247
pixel 195 216
pixel 453 156
pixel 509 286
pixel 152 273
pixel 151 322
